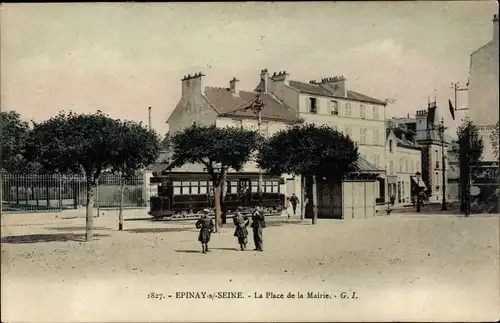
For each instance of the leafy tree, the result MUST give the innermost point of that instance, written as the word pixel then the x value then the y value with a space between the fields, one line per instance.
pixel 135 147
pixel 218 150
pixel 77 143
pixel 494 139
pixel 309 151
pixel 469 152
pixel 15 134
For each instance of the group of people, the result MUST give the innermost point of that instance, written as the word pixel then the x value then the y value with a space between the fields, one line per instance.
pixel 206 226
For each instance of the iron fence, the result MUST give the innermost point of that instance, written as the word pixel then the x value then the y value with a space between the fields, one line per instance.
pixel 32 193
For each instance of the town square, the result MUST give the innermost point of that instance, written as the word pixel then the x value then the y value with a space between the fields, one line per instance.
pixel 265 161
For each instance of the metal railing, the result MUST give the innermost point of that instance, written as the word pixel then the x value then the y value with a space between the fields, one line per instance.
pixel 42 193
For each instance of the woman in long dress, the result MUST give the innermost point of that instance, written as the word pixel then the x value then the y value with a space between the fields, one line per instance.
pixel 241 232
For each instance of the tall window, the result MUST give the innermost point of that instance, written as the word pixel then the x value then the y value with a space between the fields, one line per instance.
pixel 375 112
pixel 348 131
pixel 362 137
pixel 376 160
pixel 334 108
pixel 390 145
pixel 348 111
pixel 313 105
pixel 376 138
pixel 391 167
pixel 362 111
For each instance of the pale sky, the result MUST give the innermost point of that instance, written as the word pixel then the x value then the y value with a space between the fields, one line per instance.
pixel 122 58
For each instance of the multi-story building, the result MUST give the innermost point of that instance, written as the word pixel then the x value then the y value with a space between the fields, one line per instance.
pixel 403 157
pixel 425 125
pixel 483 91
pixel 330 102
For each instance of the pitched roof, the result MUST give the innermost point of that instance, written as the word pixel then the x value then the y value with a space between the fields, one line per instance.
pixel 319 89
pixel 228 104
pixel 363 166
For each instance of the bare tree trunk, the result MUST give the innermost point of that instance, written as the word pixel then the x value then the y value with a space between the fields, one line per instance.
pixel 217 196
pixel 303 196
pixel 120 211
pixel 314 200
pixel 89 216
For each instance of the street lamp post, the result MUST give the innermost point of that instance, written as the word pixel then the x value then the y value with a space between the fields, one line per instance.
pixel 418 177
pixel 441 129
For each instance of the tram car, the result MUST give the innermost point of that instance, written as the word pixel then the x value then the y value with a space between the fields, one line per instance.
pixel 187 194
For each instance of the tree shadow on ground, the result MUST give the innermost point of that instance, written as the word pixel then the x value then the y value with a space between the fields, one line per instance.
pixel 57 237
pixel 74 228
pixel 160 230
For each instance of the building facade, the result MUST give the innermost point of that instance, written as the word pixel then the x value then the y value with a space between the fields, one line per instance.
pixel 403 157
pixel 483 91
pixel 231 107
pixel 425 125
pixel 330 102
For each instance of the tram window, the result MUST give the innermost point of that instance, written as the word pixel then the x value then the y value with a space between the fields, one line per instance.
pixel 203 190
pixel 276 187
pixel 234 187
pixel 176 183
pixel 177 190
pixel 195 190
pixel 255 187
pixel 185 184
pixel 185 190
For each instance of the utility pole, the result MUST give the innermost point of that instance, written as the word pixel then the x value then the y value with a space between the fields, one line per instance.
pixel 456 88
pixel 257 107
pixel 149 118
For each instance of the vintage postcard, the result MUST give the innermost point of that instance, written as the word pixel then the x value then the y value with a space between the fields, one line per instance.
pixel 250 161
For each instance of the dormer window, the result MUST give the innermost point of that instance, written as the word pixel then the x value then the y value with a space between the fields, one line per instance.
pixel 334 108
pixel 313 105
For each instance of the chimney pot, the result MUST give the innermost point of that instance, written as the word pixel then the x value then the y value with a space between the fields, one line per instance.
pixel 233 86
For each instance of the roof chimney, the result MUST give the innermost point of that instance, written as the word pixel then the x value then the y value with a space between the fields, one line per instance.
pixel 233 86
pixel 280 77
pixel 264 79
pixel 192 84
pixel 495 28
pixel 336 85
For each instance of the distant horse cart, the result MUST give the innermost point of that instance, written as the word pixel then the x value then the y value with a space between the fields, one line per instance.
pixel 187 194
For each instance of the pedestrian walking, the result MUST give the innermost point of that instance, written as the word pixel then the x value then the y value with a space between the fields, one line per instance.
pixel 241 222
pixel 258 224
pixel 206 226
pixel 294 200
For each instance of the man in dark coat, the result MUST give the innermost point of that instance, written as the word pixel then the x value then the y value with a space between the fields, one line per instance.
pixel 294 200
pixel 206 226
pixel 258 224
pixel 241 222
